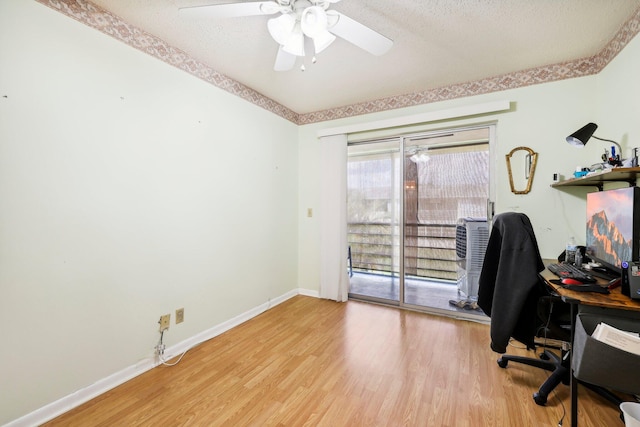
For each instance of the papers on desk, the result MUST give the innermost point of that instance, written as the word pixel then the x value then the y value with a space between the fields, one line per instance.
pixel 623 340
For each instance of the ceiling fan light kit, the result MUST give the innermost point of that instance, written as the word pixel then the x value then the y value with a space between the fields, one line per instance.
pixel 322 41
pixel 300 19
pixel 295 41
pixel 315 25
pixel 281 27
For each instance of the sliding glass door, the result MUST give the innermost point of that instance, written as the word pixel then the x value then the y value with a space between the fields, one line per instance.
pixel 446 187
pixel 408 198
pixel 373 219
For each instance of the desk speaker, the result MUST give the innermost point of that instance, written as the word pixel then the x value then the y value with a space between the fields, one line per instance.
pixel 624 282
pixel 633 278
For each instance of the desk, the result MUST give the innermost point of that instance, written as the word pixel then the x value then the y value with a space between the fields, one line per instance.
pixel 613 301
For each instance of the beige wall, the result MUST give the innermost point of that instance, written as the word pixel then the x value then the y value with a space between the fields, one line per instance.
pixel 128 189
pixel 618 99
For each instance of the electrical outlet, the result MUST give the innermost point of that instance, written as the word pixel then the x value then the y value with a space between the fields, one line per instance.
pixel 179 315
pixel 160 349
pixel 164 322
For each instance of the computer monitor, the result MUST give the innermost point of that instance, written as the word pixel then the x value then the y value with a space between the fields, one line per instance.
pixel 613 226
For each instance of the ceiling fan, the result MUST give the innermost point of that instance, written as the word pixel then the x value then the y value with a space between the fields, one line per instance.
pixel 297 20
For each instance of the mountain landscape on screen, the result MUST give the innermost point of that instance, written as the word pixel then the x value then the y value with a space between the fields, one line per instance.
pixel 604 238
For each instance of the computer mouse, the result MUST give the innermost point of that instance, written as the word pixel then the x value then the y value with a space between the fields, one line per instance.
pixel 570 281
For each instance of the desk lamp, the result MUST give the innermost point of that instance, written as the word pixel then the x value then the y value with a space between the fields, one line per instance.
pixel 580 137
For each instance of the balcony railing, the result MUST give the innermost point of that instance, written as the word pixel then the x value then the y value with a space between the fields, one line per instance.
pixel 429 249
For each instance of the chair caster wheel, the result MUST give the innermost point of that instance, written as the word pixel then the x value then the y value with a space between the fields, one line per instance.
pixel 544 356
pixel 502 363
pixel 539 399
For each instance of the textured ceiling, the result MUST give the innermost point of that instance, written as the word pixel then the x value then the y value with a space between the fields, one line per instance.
pixel 437 43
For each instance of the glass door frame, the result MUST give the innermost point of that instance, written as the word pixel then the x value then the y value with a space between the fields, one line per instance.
pixel 402 140
pixel 491 127
pixel 396 215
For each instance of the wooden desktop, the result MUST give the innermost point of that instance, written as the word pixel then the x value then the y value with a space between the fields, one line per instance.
pixel 611 302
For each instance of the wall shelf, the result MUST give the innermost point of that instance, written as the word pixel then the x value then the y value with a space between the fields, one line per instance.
pixel 597 179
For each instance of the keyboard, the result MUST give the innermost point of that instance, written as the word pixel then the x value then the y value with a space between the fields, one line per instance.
pixel 570 271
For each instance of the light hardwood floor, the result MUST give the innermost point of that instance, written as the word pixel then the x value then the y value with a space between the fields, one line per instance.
pixel 312 362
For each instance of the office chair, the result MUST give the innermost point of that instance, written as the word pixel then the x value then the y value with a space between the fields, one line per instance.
pixel 521 306
pixel 556 327
pixel 554 319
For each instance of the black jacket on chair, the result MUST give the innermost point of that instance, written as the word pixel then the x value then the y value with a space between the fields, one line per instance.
pixel 509 285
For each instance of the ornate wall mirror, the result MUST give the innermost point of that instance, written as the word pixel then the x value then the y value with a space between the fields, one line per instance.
pixel 521 164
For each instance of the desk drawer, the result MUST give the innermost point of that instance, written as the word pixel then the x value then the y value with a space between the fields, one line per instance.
pixel 598 363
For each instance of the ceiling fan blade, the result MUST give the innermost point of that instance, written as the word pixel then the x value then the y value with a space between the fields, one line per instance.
pixel 284 60
pixel 232 10
pixel 359 34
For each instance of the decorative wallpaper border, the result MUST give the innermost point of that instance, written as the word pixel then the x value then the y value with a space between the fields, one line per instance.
pixel 89 14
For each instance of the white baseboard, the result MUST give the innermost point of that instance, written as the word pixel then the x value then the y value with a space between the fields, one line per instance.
pixel 308 293
pixel 65 404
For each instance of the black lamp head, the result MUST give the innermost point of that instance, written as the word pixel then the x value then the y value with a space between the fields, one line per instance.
pixel 580 137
